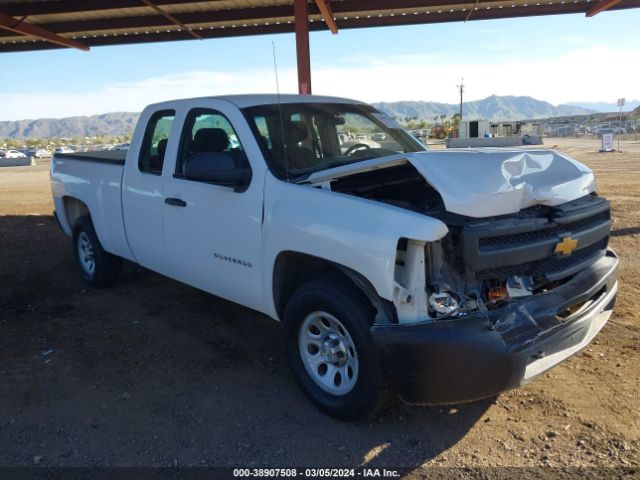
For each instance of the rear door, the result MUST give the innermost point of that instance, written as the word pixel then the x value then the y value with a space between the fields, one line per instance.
pixel 143 183
pixel 213 234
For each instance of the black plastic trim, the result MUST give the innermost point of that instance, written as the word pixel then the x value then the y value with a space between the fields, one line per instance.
pixel 90 157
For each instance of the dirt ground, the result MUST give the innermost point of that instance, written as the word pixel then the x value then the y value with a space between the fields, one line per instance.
pixel 154 373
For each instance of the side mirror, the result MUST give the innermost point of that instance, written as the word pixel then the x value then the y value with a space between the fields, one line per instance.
pixel 218 168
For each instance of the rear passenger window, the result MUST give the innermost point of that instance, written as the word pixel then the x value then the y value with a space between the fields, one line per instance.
pixel 208 136
pixel 154 143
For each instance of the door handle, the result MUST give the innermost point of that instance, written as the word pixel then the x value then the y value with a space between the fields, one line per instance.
pixel 175 202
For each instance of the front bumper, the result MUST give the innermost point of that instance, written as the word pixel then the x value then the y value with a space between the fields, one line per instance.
pixel 483 354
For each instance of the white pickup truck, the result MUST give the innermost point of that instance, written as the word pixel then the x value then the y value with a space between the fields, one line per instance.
pixel 446 276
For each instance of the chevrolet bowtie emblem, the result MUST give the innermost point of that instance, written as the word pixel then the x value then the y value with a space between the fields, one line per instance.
pixel 566 246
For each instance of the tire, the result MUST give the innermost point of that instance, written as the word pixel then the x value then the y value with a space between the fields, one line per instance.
pixel 326 320
pixel 98 268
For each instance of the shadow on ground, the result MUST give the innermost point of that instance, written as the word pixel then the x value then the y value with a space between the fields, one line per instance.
pixel 621 232
pixel 152 372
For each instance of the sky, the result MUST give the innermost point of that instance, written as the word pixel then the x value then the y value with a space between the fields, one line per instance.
pixel 558 58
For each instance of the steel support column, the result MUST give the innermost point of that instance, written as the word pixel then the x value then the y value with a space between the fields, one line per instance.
pixel 301 14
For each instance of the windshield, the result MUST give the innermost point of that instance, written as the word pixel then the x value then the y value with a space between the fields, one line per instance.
pixel 309 137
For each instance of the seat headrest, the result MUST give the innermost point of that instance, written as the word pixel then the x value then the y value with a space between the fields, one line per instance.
pixel 210 140
pixel 296 132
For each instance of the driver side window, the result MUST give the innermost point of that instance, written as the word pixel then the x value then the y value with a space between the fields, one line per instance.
pixel 209 139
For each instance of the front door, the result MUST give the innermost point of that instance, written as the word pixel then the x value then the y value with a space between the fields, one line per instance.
pixel 212 233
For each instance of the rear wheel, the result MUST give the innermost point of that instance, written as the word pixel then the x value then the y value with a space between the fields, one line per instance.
pixel 331 352
pixel 98 267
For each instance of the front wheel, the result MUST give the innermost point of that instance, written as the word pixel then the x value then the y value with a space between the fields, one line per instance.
pixel 98 267
pixel 331 352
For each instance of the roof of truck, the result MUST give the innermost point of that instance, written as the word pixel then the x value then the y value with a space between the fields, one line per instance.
pixel 252 100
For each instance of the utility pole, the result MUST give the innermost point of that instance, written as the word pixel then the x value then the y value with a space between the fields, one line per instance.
pixel 461 88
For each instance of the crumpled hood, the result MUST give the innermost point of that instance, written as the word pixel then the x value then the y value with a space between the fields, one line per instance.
pixel 488 182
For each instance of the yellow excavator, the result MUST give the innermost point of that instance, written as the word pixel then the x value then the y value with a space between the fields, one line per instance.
pixel 448 128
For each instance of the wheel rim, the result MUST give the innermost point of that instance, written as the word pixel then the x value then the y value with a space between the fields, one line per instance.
pixel 328 353
pixel 85 253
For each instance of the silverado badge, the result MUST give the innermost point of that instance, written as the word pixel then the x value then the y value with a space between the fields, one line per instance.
pixel 566 246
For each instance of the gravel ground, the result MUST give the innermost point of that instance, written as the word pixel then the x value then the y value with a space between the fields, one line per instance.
pixel 155 373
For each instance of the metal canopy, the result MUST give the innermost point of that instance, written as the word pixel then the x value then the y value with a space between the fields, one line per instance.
pixel 44 24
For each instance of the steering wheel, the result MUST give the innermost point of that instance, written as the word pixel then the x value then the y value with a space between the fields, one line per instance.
pixel 357 146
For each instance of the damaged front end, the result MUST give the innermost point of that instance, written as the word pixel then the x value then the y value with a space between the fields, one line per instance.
pixel 499 299
pixel 506 298
pixel 485 264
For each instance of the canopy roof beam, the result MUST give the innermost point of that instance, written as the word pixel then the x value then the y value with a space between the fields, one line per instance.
pixel 471 10
pixel 602 6
pixel 171 18
pixel 327 15
pixel 7 22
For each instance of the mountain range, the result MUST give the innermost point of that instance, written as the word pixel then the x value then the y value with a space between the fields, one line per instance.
pixel 122 123
pixel 110 124
pixel 490 108
pixel 629 106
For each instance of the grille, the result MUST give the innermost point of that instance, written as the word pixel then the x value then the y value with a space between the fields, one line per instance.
pixel 544 233
pixel 548 266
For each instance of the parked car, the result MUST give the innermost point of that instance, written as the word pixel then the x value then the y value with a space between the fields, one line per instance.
pixel 122 146
pixel 447 275
pixel 39 153
pixel 64 150
pixel 14 154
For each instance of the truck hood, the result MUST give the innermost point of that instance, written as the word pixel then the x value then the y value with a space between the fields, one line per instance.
pixel 487 182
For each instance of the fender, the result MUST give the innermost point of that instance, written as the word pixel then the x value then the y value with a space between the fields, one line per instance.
pixel 357 233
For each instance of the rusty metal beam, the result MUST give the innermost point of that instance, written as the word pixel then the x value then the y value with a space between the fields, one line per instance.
pixel 601 7
pixel 171 18
pixel 339 9
pixel 7 22
pixel 327 14
pixel 301 23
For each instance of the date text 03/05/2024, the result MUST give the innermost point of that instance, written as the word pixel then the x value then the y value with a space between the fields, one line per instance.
pixel 316 472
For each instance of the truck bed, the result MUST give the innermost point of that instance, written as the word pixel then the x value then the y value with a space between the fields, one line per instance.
pixel 116 157
pixel 95 180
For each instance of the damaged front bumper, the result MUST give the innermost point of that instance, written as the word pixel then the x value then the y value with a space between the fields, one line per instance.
pixel 482 354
